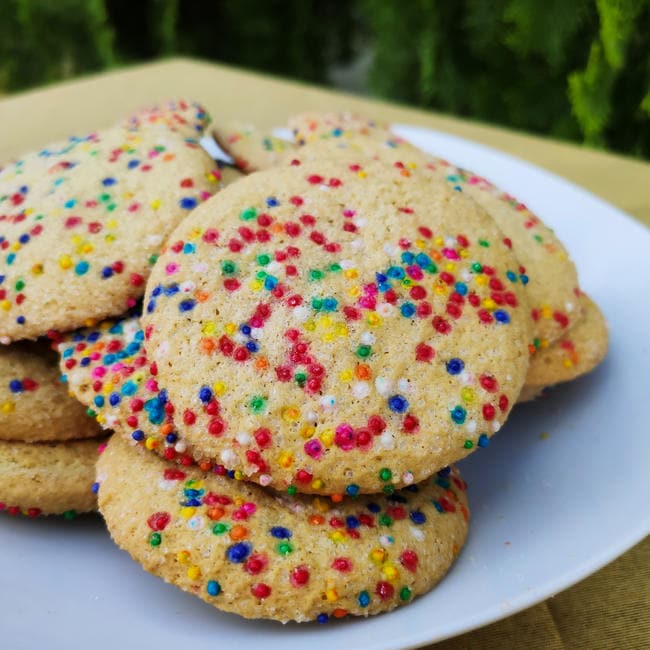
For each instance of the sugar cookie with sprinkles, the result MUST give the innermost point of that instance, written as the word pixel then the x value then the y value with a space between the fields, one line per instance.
pixel 188 118
pixel 551 272
pixel 34 403
pixel 106 368
pixel 574 355
pixel 48 478
pixel 247 550
pixel 337 329
pixel 251 148
pixel 82 221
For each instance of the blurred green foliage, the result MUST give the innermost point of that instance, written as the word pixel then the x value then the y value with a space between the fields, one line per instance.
pixel 575 69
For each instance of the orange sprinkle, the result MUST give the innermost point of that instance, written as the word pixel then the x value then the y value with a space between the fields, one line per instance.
pixel 207 345
pixel 316 520
pixel 465 512
pixel 277 228
pixel 336 498
pixel 166 428
pixel 261 363
pixel 205 465
pixel 362 371
pixel 216 513
pixel 436 254
pixel 238 532
pixel 339 612
pixel 202 296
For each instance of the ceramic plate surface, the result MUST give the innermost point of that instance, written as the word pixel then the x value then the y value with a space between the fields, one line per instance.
pixel 561 490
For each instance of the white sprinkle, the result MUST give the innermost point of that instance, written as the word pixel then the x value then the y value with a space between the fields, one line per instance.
pixel 265 480
pixel 200 267
pixel 496 426
pixel 327 402
pixel 385 309
pixel 256 333
pixel 180 447
pixel 391 250
pixel 195 523
pixel 367 338
pixel 417 533
pixel 228 457
pixel 360 222
pixel 187 286
pixel 384 386
pixel 407 478
pixel 163 349
pixel 357 244
pixel 346 264
pixel 404 386
pixel 154 240
pixel 386 540
pixel 470 427
pixel 243 438
pixel 361 389
pixel 387 440
pixel 301 313
pixel 240 338
pixel 311 416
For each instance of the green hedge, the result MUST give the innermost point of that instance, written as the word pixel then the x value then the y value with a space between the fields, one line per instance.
pixel 574 69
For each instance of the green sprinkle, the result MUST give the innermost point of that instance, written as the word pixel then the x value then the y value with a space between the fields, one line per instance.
pixel 477 267
pixel 20 285
pixel 300 378
pixel 385 474
pixel 537 343
pixel 405 593
pixel 468 444
pixel 291 490
pixel 228 267
pixel 317 304
pixel 248 214
pixel 91 412
pixel 485 244
pixel 315 275
pixel 104 197
pixel 220 529
pixel 335 267
pixel 364 351
pixel 284 548
pixel 257 404
pixel 388 489
pixel 263 259
pixel 155 539
pixel 385 520
pixel 260 275
pixel 153 259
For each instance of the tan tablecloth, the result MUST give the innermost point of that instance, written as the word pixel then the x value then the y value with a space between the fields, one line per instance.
pixel 611 609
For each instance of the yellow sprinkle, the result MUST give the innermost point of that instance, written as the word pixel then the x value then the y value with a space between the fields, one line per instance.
pixel 440 289
pixel 6 305
pixel 467 394
pixel 546 312
pixel 351 274
pixel 239 475
pixel 373 319
pixel 567 363
pixel 193 573
pixel 155 204
pixel 87 248
pixel 420 243
pixel 183 557
pixel 354 291
pixel 7 407
pixel 290 413
pixel 361 174
pixel 196 232
pixel 65 262
pixel 328 336
pixel 543 344
pixel 439 241
pixel 331 595
pixel 310 326
pixel 346 376
pixel 327 437
pixel 378 556
pixel 450 266
pixel 208 328
pixel 109 238
pixel 337 536
pixel 325 322
pixel 256 285
pixel 285 459
pixel 342 330
pixel 90 322
pixel 307 431
pixel 37 269
pixel 411 165
pixel 219 388
pixel 230 328
pixel 464 253
pixel 16 246
pixel 481 279
pixel 320 504
pixel 151 443
pixel 187 512
pixel 317 484
pixel 488 303
pixel 111 223
pixel 390 571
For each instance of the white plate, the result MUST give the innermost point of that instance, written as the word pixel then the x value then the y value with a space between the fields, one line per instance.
pixel 546 511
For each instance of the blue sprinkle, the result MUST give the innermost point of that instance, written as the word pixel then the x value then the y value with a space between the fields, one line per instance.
pixel 330 304
pixel 157 291
pixel 438 507
pixel 417 517
pixel 188 203
pixel 189 248
pixel 151 306
pixel 322 619
pixel 407 309
pixel 107 272
pixel 483 440
pixel 138 435
pixel 280 532
pixel 461 288
pixel 373 507
pixel 397 403
pixel 380 277
pixel 23 239
pixel 502 316
pixel 458 414
pixel 337 132
pixel 162 396
pixel 16 386
pixel 193 502
pixel 70 203
pixel 511 276
pixel 352 490
pixel 238 553
pixel 85 362
pixel 94 336
pixel 171 438
pixel 10 258
pixel 81 268
pixel 205 394
pixel 95 488
pixel 245 329
pixel 455 366
pixel 213 588
pixel 444 472
pixel 364 599
pixel 171 290
pixel 186 305
pixel 230 473
pixel 114 399
pixel 133 163
pixel 524 279
pixel 407 257
pixel 352 522
pixel 395 272
pixel 270 282
pixel 99 401
pixel 422 260
pixel 20 320
pixel 129 388
pixel 272 202
pixel 251 346
pixel 107 182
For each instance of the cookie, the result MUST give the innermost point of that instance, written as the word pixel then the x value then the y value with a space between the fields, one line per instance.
pixel 337 329
pixel 578 353
pixel 82 221
pixel 187 118
pixel 34 403
pixel 48 478
pixel 249 551
pixel 552 273
pixel 250 148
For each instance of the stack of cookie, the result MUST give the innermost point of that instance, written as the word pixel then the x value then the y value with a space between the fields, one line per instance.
pixel 317 345
pixel 315 348
pixel 81 223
